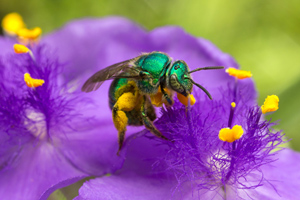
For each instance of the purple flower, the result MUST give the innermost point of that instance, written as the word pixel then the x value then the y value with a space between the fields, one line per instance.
pixel 54 135
pixel 197 164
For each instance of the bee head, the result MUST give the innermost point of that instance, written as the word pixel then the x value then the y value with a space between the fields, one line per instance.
pixel 179 79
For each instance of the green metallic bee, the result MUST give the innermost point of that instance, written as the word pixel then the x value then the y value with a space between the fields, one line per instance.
pixel 136 81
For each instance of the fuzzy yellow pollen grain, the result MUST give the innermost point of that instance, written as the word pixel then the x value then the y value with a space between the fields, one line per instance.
pixel 231 135
pixel 158 100
pixel 120 121
pixel 12 23
pixel 184 100
pixel 233 104
pixel 31 82
pixel 127 101
pixel 270 104
pixel 30 33
pixel 18 48
pixel 239 74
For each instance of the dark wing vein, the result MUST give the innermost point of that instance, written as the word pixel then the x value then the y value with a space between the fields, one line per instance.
pixel 110 72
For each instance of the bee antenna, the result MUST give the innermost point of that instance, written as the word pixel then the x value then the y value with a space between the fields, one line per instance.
pixel 201 87
pixel 205 68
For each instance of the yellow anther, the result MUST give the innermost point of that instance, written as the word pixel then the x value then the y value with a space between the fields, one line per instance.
pixel 158 100
pixel 184 100
pixel 30 33
pixel 239 74
pixel 270 104
pixel 231 135
pixel 18 48
pixel 31 82
pixel 233 104
pixel 12 23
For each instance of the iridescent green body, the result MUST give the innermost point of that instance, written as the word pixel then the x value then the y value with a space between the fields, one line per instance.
pixel 120 86
pixel 138 79
pixel 155 66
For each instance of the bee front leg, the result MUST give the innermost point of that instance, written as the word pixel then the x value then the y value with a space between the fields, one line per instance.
pixel 166 96
pixel 148 123
pixel 126 102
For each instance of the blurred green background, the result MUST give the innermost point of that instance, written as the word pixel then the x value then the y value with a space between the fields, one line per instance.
pixel 263 36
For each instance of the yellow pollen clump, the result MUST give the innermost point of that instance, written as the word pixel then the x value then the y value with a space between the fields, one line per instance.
pixel 30 33
pixel 239 74
pixel 231 135
pixel 31 82
pixel 158 100
pixel 184 100
pixel 12 23
pixel 18 48
pixel 270 104
pixel 233 104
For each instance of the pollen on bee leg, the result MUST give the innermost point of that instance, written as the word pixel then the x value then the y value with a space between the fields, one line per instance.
pixel 185 100
pixel 120 120
pixel 127 101
pixel 12 23
pixel 237 73
pixel 31 82
pixel 231 135
pixel 158 100
pixel 270 104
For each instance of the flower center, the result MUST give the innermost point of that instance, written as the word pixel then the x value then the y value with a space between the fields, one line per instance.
pixel 36 124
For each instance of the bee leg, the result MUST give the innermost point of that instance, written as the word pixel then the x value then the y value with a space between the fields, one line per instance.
pixel 126 102
pixel 120 121
pixel 166 96
pixel 148 123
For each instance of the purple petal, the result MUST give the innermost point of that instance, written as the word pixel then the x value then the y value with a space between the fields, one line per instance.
pixel 6 45
pixel 131 186
pixel 91 44
pixel 281 178
pixel 94 150
pixel 26 178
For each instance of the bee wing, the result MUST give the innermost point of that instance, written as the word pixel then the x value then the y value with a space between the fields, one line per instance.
pixel 110 72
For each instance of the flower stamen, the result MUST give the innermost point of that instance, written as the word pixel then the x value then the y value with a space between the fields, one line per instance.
pixel 20 49
pixel 30 34
pixel 12 23
pixel 270 104
pixel 231 135
pixel 239 74
pixel 233 104
pixel 31 82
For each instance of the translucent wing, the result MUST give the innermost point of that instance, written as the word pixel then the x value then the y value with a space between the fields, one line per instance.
pixel 111 72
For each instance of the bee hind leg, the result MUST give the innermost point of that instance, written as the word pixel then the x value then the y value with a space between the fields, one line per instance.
pixel 126 102
pixel 120 121
pixel 148 123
